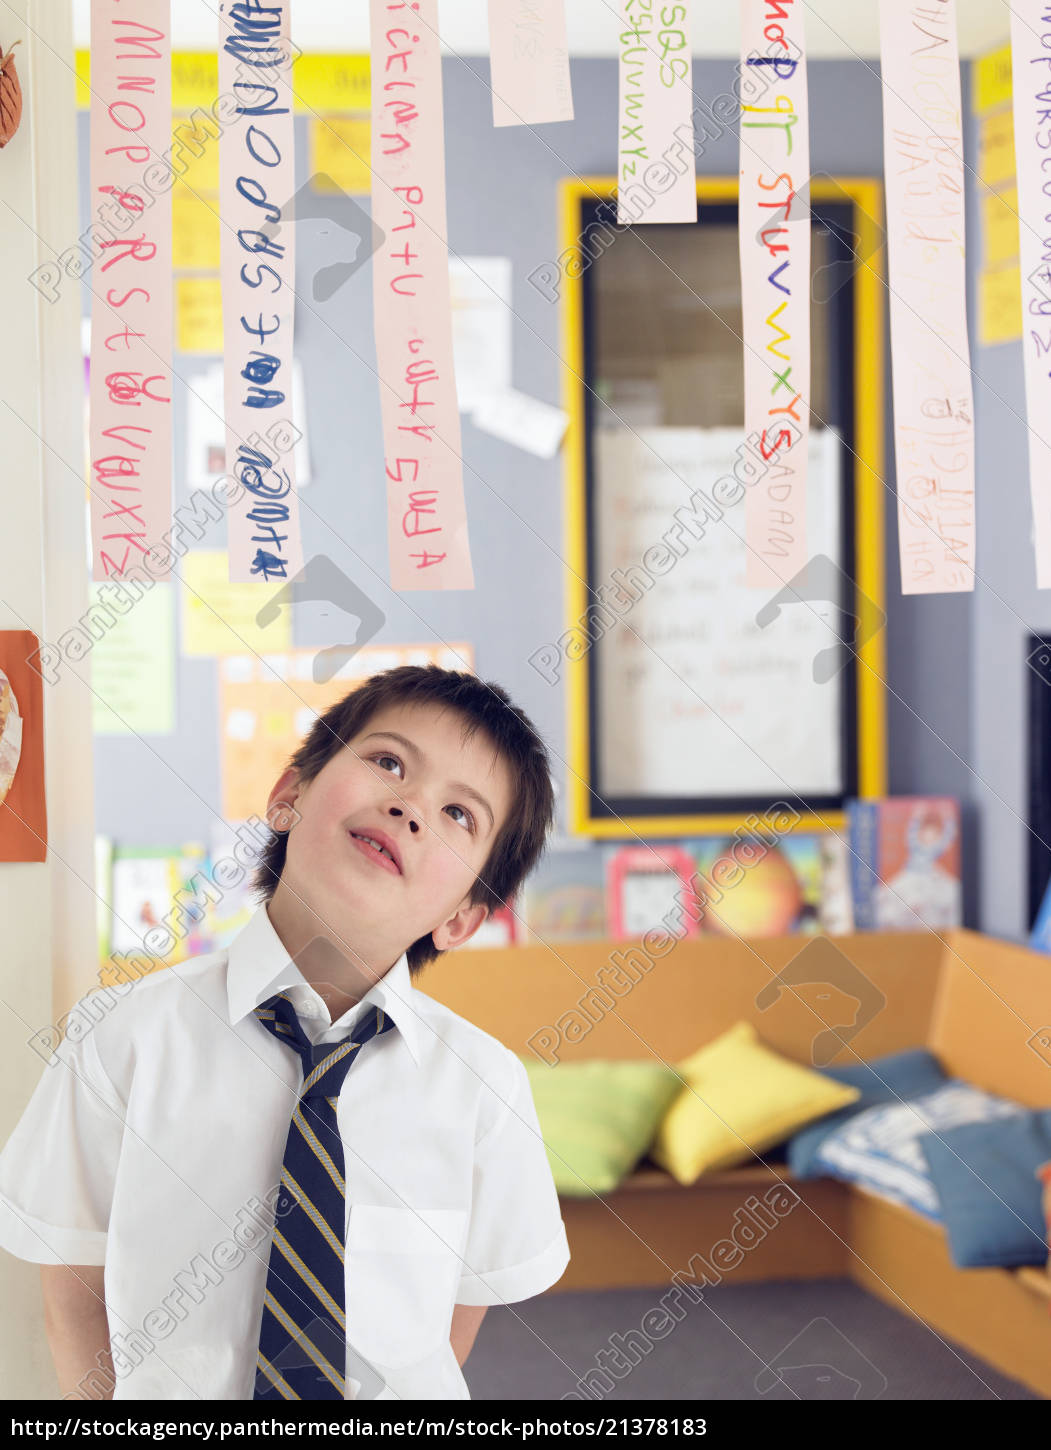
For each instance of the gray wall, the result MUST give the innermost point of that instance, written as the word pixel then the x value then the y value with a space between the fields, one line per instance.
pixel 502 193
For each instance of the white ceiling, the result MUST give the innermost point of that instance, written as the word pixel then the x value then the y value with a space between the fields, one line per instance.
pixel 835 28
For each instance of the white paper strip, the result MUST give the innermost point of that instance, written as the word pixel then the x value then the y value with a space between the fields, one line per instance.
pixel 256 186
pixel 529 62
pixel 930 354
pixel 131 305
pixel 774 225
pixel 1031 83
pixel 656 166
pixel 412 308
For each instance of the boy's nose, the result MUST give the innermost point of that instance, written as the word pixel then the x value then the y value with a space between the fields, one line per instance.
pixel 414 825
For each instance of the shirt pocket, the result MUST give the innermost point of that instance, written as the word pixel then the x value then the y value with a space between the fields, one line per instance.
pixel 403 1268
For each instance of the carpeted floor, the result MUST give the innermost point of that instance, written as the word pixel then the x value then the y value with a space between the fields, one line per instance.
pixel 828 1338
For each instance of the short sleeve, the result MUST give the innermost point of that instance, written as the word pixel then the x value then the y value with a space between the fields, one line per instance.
pixel 58 1168
pixel 516 1242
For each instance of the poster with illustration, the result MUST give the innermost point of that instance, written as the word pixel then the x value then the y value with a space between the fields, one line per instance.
pixel 23 811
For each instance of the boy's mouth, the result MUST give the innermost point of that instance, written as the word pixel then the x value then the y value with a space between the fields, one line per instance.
pixel 379 848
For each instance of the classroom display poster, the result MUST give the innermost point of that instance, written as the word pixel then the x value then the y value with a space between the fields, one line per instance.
pixel 774 241
pixel 1031 81
pixel 23 811
pixel 256 190
pixel 656 167
pixel 266 706
pixel 930 354
pixel 133 665
pixel 130 427
pixel 148 884
pixel 426 512
pixel 706 688
pixel 529 62
pixel 222 618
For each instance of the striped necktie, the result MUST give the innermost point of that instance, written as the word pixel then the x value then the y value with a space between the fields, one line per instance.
pixel 303 1336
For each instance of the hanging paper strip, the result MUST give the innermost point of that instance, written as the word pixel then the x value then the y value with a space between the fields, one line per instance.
pixel 930 355
pixel 529 62
pixel 426 518
pixel 656 168
pixel 131 308
pixel 1031 80
pixel 774 228
pixel 256 207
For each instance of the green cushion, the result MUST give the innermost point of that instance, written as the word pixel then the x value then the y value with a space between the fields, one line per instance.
pixel 598 1118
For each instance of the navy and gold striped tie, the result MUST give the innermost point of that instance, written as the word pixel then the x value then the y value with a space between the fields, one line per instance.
pixel 303 1336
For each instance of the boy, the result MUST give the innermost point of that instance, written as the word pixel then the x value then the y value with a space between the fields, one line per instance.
pixel 269 1228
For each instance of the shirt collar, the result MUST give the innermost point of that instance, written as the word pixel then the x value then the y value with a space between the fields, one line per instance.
pixel 258 966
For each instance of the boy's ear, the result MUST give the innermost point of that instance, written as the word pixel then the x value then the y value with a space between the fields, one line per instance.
pixel 280 807
pixel 460 927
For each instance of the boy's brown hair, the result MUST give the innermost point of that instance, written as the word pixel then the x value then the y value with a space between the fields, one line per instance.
pixel 484 706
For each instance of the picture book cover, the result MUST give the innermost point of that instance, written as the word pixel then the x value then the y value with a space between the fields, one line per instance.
pixel 565 897
pixel 648 889
pixel 759 886
pixel 906 863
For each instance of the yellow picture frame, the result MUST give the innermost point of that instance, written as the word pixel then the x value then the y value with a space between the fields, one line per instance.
pixel 866 196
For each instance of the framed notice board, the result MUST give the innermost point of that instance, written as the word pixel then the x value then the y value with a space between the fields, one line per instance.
pixel 695 703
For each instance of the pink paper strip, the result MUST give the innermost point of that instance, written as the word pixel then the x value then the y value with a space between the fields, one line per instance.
pixel 256 205
pixel 1031 81
pixel 529 62
pixel 774 232
pixel 131 307
pixel 930 354
pixel 426 517
pixel 656 166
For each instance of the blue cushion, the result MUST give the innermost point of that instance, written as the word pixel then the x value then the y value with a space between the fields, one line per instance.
pixel 906 1074
pixel 879 1149
pixel 991 1200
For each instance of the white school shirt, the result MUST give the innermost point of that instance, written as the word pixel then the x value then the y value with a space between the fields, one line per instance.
pixel 154 1141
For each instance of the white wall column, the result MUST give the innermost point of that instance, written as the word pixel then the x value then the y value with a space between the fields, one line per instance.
pixel 47 909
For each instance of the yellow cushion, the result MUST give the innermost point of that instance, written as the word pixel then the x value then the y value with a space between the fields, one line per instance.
pixel 741 1098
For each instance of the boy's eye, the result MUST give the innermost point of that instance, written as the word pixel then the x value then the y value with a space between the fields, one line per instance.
pixel 386 761
pixel 467 819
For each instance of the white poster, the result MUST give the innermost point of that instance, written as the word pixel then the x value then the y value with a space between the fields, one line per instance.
pixel 696 698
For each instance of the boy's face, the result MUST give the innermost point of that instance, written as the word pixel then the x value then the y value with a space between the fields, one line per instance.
pixel 432 800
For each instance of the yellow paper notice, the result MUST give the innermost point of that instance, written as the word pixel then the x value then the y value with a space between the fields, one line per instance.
pixel 198 314
pixel 339 151
pixel 999 304
pixel 219 618
pixel 996 148
pixel 195 231
pixel 1000 227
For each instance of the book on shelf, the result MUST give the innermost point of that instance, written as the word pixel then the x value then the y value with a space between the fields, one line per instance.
pixel 905 863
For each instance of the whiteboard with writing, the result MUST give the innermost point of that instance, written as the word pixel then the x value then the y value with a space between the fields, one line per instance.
pixel 696 698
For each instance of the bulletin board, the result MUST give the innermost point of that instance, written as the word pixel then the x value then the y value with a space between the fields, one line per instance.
pixel 697 704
